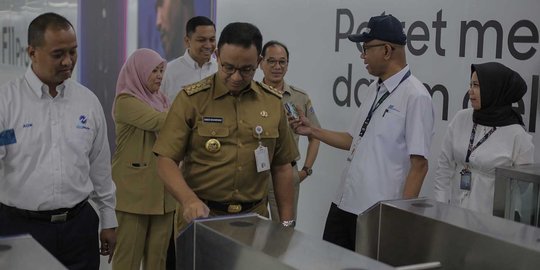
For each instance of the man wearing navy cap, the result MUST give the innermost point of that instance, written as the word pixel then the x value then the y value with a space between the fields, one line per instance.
pixel 389 138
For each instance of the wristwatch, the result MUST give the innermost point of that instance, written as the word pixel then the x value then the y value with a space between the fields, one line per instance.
pixel 288 223
pixel 308 171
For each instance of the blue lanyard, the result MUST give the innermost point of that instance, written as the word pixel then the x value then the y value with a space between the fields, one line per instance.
pixel 376 104
pixel 471 147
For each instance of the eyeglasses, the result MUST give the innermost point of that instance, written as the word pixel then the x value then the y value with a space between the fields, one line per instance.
pixel 244 71
pixel 365 47
pixel 273 62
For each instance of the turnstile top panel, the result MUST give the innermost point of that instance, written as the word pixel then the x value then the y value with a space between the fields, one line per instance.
pixel 287 245
pixel 528 172
pixel 25 253
pixel 496 227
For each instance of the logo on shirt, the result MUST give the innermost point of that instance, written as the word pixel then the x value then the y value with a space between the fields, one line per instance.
pixel 27 125
pixel 82 122
pixel 392 108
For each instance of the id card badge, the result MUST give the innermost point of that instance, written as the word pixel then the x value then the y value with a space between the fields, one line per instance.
pixel 7 137
pixel 465 183
pixel 261 158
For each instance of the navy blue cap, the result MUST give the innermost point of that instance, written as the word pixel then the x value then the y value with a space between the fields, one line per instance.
pixel 384 27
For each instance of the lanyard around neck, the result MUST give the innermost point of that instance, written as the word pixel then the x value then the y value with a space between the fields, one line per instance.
pixel 376 104
pixel 471 141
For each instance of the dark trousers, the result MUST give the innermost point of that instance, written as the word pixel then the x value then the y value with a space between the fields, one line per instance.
pixel 340 228
pixel 73 242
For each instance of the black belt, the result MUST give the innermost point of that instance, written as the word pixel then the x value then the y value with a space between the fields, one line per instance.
pixel 231 207
pixel 293 163
pixel 53 216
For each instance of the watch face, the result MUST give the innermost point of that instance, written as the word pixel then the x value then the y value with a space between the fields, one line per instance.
pixel 308 171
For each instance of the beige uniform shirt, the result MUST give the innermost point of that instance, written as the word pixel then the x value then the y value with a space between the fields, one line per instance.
pixel 300 98
pixel 134 170
pixel 205 112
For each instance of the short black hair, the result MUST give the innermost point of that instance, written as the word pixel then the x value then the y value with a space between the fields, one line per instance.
pixel 241 33
pixel 38 26
pixel 274 43
pixel 191 25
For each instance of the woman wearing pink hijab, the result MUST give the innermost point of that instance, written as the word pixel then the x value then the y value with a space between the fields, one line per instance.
pixel 144 208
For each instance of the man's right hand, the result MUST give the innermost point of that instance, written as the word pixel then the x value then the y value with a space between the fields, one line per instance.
pixel 301 125
pixel 195 208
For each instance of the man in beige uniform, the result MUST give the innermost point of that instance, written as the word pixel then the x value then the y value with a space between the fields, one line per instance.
pixel 274 65
pixel 231 134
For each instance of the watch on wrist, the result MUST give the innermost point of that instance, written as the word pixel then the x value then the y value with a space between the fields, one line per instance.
pixel 288 223
pixel 308 171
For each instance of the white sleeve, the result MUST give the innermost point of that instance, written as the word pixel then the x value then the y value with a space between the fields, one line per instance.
pixel 100 173
pixel 419 125
pixel 446 167
pixel 523 149
pixel 166 84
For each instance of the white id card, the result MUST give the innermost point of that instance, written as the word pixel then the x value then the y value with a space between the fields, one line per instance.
pixel 261 157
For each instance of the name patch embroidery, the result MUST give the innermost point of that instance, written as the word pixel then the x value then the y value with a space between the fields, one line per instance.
pixel 209 119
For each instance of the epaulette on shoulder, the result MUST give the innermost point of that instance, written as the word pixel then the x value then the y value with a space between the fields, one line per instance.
pixel 199 86
pixel 270 89
pixel 298 89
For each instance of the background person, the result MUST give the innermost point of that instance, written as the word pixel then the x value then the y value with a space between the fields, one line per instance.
pixel 274 65
pixel 481 138
pixel 197 62
pixel 54 153
pixel 144 208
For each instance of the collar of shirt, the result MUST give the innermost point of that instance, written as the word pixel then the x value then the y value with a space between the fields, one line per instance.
pixel 392 83
pixel 192 63
pixel 221 90
pixel 287 89
pixel 38 87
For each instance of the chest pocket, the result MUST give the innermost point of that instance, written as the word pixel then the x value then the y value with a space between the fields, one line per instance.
pixel 80 139
pixel 212 131
pixel 269 133
pixel 391 126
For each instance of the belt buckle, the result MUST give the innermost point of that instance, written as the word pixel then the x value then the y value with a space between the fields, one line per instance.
pixel 234 208
pixel 59 218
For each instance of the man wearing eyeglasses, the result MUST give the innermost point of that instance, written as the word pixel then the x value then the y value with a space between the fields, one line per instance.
pixel 389 138
pixel 232 134
pixel 274 65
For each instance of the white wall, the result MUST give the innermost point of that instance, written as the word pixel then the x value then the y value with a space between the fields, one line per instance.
pixel 309 29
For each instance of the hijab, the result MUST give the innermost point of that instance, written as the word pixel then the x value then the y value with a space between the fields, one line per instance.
pixel 134 76
pixel 500 87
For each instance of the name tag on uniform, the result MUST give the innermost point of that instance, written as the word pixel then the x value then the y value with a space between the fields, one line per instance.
pixel 261 157
pixel 7 137
pixel 209 119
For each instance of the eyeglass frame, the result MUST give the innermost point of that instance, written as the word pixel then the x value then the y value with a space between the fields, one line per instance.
pixel 244 71
pixel 273 62
pixel 364 47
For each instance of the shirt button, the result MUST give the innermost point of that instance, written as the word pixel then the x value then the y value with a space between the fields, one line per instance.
pixel 240 145
pixel 239 168
pixel 236 191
